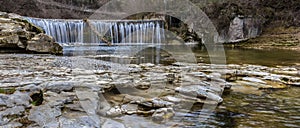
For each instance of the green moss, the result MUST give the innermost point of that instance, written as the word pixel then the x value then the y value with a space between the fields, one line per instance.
pixel 29 26
pixel 7 90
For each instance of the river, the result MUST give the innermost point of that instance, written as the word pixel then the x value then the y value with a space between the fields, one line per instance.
pixel 241 107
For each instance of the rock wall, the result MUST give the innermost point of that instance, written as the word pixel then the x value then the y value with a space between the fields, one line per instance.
pixel 16 33
pixel 240 29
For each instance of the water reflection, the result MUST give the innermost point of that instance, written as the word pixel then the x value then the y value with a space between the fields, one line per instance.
pixel 271 57
pixel 274 57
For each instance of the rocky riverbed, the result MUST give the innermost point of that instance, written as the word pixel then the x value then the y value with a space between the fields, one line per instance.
pixel 51 91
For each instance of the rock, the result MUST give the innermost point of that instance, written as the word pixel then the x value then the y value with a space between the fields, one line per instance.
pixel 18 99
pixel 133 99
pixel 58 100
pixel 42 43
pixel 59 86
pixel 35 92
pixel 163 114
pixel 199 92
pixel 11 41
pixel 198 74
pixel 16 110
pixel 12 125
pixel 172 99
pixel 241 28
pixel 256 85
pixel 236 29
pixel 78 122
pixel 18 34
pixel 45 116
pixel 295 84
pixel 112 124
pixel 273 78
pixel 171 77
pixel 252 73
pixel 254 80
pixel 147 65
pixel 115 111
pixel 3 99
pixel 155 103
pixel 130 108
pixel 9 114
pixel 142 85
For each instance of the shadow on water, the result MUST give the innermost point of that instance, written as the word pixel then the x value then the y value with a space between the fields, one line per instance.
pixel 270 57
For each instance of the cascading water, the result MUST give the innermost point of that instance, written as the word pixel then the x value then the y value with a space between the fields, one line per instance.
pixel 78 31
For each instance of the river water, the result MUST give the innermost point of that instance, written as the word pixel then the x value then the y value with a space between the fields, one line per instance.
pixel 241 108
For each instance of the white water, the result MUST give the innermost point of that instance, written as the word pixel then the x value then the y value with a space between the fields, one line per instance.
pixel 77 31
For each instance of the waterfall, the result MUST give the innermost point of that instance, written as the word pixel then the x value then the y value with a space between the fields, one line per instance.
pixel 78 31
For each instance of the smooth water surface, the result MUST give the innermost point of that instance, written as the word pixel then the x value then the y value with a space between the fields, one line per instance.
pixel 273 57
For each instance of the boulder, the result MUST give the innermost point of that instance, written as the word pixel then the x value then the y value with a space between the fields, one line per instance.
pixel 18 34
pixel 10 41
pixel 43 43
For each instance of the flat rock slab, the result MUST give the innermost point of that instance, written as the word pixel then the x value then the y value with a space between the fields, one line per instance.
pixel 45 116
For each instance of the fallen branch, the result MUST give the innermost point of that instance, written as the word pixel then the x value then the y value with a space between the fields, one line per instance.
pixel 97 33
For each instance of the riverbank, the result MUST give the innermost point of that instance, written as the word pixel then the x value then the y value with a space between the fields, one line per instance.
pixel 66 92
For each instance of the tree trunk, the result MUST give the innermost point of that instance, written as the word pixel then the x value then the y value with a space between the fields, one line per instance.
pixel 97 33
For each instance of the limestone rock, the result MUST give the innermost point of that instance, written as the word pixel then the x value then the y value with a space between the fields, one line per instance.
pixel 11 41
pixel 59 86
pixel 18 34
pixel 163 114
pixel 254 80
pixel 45 116
pixel 18 98
pixel 112 124
pixel 115 111
pixel 42 43
pixel 199 92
